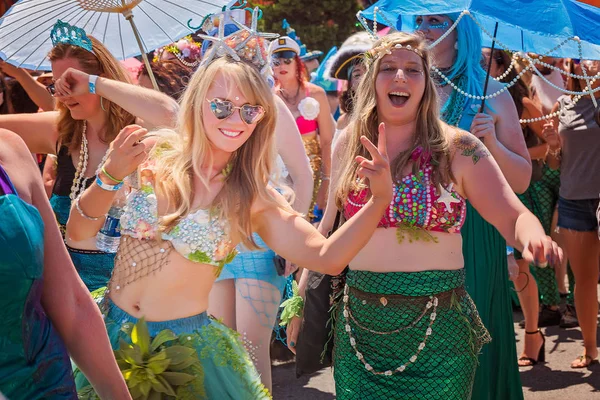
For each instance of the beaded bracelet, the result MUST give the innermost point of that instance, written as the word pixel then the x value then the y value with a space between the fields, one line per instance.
pixel 109 188
pixel 109 176
pixel 80 211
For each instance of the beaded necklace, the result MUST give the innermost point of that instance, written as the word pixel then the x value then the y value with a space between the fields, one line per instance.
pixel 455 105
pixel 80 181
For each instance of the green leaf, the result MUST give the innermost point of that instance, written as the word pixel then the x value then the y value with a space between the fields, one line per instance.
pixel 161 355
pixel 154 396
pixel 145 388
pixel 140 336
pixel 158 366
pixel 199 257
pixel 133 355
pixel 162 337
pixel 162 386
pixel 183 365
pixel 179 354
pixel 135 392
pixel 123 365
pixel 177 378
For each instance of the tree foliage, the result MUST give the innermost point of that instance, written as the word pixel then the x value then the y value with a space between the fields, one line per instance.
pixel 320 24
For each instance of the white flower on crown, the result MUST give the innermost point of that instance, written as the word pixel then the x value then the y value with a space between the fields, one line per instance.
pixel 309 108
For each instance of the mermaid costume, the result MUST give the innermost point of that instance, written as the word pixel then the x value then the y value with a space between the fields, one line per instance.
pixel 33 360
pixel 225 370
pixel 409 335
pixel 94 267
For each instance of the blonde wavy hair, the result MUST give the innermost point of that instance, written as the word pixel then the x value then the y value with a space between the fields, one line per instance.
pixel 100 62
pixel 430 130
pixel 180 155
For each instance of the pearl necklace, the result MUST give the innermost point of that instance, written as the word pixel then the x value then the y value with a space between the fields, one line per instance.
pixel 432 303
pixel 80 181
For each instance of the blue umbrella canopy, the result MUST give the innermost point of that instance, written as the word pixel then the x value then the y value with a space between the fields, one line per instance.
pixel 523 25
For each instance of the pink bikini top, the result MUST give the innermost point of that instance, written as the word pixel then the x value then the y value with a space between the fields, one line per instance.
pixel 416 203
pixel 309 111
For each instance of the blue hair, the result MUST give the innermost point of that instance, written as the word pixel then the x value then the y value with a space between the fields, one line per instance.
pixel 468 55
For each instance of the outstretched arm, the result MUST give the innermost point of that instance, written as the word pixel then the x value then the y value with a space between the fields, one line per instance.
pixel 153 109
pixel 35 90
pixel 483 183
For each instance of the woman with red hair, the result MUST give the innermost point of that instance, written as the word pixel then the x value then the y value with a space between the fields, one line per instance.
pixel 308 103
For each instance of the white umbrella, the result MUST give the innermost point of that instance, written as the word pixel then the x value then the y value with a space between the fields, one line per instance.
pixel 25 28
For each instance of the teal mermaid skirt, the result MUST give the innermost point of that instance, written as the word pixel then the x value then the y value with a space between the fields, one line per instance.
pixel 93 266
pixel 219 365
pixel 406 335
pixel 486 269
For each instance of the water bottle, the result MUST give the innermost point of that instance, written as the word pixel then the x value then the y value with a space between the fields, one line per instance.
pixel 109 237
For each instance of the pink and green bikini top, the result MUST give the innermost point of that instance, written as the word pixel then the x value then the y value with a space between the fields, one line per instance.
pixel 200 236
pixel 417 203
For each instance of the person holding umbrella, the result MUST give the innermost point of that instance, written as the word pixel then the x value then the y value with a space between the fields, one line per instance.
pixel 458 57
pixel 95 100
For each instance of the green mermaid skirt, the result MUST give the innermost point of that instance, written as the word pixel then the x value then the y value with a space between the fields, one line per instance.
pixel 406 335
pixel 198 347
pixel 484 252
pixel 540 198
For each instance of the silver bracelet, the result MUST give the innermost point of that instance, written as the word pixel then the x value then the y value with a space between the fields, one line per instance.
pixel 80 211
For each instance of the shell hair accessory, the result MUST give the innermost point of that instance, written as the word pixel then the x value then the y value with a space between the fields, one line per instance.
pixel 64 33
pixel 386 48
pixel 246 44
pixel 186 50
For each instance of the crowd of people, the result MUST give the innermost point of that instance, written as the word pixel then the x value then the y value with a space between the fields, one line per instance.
pixel 149 243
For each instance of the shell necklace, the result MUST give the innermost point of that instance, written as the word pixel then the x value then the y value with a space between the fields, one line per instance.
pixel 80 181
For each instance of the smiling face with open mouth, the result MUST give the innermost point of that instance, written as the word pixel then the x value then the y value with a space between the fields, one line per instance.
pixel 228 133
pixel 83 106
pixel 400 85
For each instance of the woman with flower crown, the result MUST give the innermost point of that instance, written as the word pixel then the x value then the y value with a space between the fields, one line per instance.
pixel 310 107
pixel 196 193
pixel 458 58
pixel 97 103
pixel 405 327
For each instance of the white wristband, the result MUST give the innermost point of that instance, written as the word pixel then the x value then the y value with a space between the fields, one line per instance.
pixel 92 83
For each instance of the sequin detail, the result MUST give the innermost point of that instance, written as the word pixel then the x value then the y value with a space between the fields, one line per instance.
pixel 416 203
pixel 199 237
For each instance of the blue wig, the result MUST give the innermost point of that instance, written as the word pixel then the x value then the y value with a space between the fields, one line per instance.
pixel 468 55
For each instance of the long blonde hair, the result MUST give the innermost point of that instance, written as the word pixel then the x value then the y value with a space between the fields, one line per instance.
pixel 430 130
pixel 182 154
pixel 100 62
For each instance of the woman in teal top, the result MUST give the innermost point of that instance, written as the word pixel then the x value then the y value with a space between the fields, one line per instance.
pixel 458 58
pixel 43 301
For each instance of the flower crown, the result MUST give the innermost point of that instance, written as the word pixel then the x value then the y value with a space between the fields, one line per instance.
pixel 64 33
pixel 246 44
pixel 184 50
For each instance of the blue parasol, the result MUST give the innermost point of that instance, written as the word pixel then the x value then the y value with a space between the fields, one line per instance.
pixel 523 25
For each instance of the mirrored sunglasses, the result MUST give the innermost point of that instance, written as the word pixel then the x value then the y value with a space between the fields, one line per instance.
pixel 277 61
pixel 250 114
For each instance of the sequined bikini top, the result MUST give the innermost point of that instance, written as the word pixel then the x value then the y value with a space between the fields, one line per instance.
pixel 417 204
pixel 199 236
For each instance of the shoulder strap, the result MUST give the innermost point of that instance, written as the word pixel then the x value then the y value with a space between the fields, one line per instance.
pixel 337 223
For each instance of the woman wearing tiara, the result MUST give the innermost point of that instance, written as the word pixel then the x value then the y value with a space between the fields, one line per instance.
pixel 82 128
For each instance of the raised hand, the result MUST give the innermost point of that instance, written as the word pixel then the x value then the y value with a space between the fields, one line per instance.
pixel 127 152
pixel 542 251
pixel 377 170
pixel 484 128
pixel 72 82
pixel 551 136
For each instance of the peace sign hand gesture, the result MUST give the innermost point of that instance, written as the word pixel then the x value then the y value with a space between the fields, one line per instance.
pixel 377 170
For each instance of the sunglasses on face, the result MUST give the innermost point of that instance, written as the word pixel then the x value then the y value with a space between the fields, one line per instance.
pixel 51 89
pixel 223 109
pixel 277 61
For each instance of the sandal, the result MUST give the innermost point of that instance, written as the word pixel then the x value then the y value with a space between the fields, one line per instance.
pixel 584 362
pixel 541 354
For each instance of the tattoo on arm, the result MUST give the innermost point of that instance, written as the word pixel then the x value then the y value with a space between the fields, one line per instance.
pixel 469 146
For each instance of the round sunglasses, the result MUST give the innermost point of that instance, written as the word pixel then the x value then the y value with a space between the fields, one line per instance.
pixel 223 109
pixel 277 61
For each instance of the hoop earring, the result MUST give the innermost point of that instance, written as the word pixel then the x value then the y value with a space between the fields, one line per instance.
pixel 102 104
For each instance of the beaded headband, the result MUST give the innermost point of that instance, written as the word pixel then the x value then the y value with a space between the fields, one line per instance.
pixel 64 33
pixel 386 48
pixel 247 44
